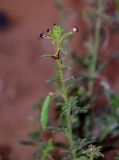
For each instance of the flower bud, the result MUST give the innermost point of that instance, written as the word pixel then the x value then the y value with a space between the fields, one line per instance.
pixel 42 35
pixel 75 29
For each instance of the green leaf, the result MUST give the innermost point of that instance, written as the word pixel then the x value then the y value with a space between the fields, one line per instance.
pixel 117 4
pixel 46 56
pixel 82 158
pixel 82 143
pixel 73 101
pixel 86 60
pixel 115 101
pixel 78 110
pixel 45 111
pixel 52 79
pixel 68 107
pixel 117 157
pixel 74 81
pixel 93 152
pixel 50 146
pixel 26 142
pixel 56 130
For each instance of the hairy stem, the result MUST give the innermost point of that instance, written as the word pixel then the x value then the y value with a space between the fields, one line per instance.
pixel 68 115
pixel 44 156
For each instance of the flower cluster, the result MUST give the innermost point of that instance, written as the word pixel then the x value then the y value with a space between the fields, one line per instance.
pixel 56 32
pixel 57 37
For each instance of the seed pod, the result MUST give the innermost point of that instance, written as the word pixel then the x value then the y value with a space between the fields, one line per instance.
pixel 45 111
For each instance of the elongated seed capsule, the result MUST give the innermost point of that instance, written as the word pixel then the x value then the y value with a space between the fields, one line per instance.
pixel 45 111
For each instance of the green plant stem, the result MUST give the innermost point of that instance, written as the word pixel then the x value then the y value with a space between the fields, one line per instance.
pixel 50 157
pixel 91 157
pixel 68 115
pixel 92 68
pixel 44 155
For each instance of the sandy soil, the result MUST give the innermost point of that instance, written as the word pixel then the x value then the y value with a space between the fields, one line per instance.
pixel 23 71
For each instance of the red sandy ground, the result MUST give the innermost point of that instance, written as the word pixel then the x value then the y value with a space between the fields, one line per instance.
pixel 23 71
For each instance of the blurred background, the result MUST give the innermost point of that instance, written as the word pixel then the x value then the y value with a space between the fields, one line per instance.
pixel 22 70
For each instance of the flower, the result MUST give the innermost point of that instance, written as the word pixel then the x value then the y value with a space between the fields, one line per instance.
pixel 48 30
pixel 56 32
pixel 75 29
pixel 43 35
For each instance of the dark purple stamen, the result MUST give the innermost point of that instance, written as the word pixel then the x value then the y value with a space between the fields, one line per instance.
pixel 76 29
pixel 48 30
pixel 42 35
pixel 56 56
pixel 54 24
pixel 53 57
